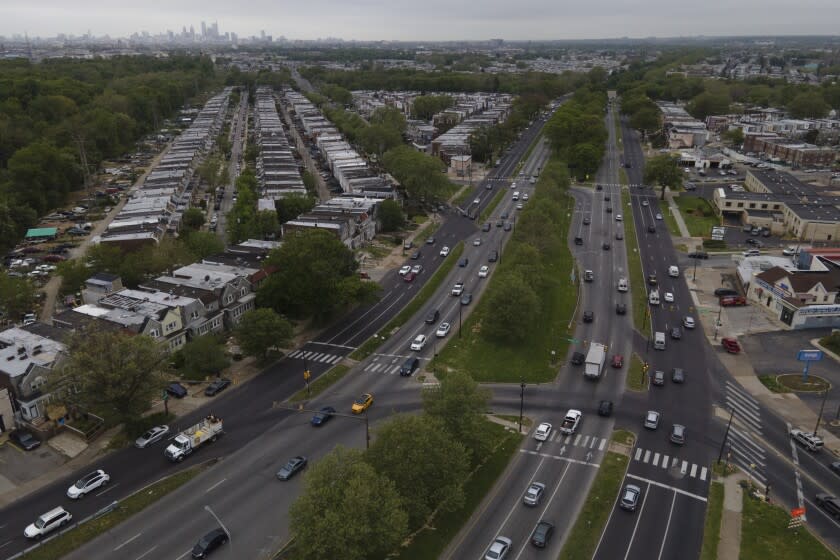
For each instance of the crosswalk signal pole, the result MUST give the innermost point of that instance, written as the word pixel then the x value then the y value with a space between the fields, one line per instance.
pixel 726 435
pixel 306 376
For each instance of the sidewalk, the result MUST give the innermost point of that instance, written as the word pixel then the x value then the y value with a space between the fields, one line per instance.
pixel 729 545
pixel 675 212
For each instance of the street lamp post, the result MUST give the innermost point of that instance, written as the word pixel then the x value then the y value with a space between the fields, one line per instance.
pixel 521 402
pixel 822 406
pixel 726 435
pixel 694 275
pixel 219 521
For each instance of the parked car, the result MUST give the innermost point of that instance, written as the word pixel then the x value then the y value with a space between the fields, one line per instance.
pixel 209 542
pixel 290 469
pixel 153 435
pixel 25 440
pixel 177 390
pixel 217 387
pixel 87 484
pixel 698 255
pixel 732 301
pixel 725 292
pixel 731 345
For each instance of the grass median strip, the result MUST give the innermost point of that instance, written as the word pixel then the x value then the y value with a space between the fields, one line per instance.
pixel 711 530
pixel 413 306
pixel 636 378
pixel 429 543
pixel 634 263
pixel 583 540
pixel 497 198
pixel 75 538
pixel 764 534
pixel 321 384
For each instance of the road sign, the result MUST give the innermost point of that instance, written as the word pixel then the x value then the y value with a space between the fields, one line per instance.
pixel 797 512
pixel 809 355
pixel 795 522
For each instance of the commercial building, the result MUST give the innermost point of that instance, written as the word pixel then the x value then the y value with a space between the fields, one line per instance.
pixel 792 152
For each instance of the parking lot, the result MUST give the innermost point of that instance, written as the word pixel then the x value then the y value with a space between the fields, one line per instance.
pixel 18 466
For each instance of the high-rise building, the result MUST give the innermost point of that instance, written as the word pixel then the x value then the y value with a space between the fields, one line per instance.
pixel 203 29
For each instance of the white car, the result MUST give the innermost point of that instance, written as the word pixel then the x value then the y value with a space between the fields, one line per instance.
pixel 519 206
pixel 789 251
pixel 658 216
pixel 476 242
pixel 417 268
pixel 47 522
pixel 673 271
pixel 543 432
pixel 477 201
pixel 152 436
pixel 483 271
pixel 688 322
pixel 618 218
pixel 645 203
pixel 88 483
pixel 445 251
pixel 499 549
pixel 443 330
pixel 669 297
pixel 419 342
pixel 458 289
pixel 525 196
pixel 405 270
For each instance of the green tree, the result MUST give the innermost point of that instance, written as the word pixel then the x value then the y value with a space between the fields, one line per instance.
pixel 809 104
pixel 646 119
pixel 425 107
pixel 345 498
pixel 419 174
pixel 427 466
pixel 17 296
pixel 193 219
pixel 515 304
pixel 316 276
pixel 111 373
pixel 204 356
pixel 202 244
pixel 707 104
pixel 733 136
pixel 309 182
pixel 262 329
pixel 266 225
pixel 584 159
pixel 460 403
pixel 390 215
pixel 389 117
pixel 662 170
pixel 378 139
pixel 73 274
pixel 291 206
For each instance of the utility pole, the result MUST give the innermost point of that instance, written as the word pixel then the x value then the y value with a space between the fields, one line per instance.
pixel 822 406
pixel 521 402
pixel 726 435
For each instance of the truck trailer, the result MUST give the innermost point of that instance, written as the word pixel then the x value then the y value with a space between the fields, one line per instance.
pixel 595 359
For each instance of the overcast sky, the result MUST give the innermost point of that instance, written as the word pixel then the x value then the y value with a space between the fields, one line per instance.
pixel 427 19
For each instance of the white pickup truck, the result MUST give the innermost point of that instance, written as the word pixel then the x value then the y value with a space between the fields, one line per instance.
pixel 458 289
pixel 193 437
pixel 570 422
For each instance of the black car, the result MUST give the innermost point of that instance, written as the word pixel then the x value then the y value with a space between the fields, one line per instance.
pixel 652 279
pixel 588 316
pixel 676 333
pixel 464 261
pixel 409 366
pixel 209 542
pixel 25 440
pixel 432 316
pixel 216 387
pixel 415 255
pixel 605 408
pixel 609 209
pixel 599 188
pixel 493 256
pixel 500 223
pixel 678 375
pixel 542 534
pixel 578 358
pixel 621 309
pixel 322 416
pixel 290 469
pixel 605 246
pixel 835 466
pixel 578 240
pixel 177 390
pixel 504 215
pixel 698 255
pixel 651 228
pixel 751 241
pixel 486 227
pixel 721 292
pixel 606 197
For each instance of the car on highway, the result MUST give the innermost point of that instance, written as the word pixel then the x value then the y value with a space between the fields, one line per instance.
pixel 534 494
pixel 525 197
pixel 645 203
pixel 405 270
pixel 430 240
pixel 519 206
pixel 588 276
pixel 457 289
pixel 835 466
pixel 432 316
pixel 658 378
pixel 493 256
pixel 153 435
pixel 290 469
pixel 443 330
pixel 829 503
pixel 419 342
pixel 323 416
pixel 47 522
pixel 605 408
pixel 408 278
pixel 651 228
pixel 651 420
pixel 87 484
pixel 676 333
pixel 466 299
pixel 608 209
pixel 588 316
pixel 417 269
pixel 543 432
pixel 730 345
pixel 688 322
pixel 498 549
pixel 630 497
pixel 623 285
pixel 25 440
pixel 599 188
pixel 416 255
pixel 578 240
pixel 542 534
pixel 444 251
pixel 619 235
pixel 618 218
pixel 483 271
pixel 504 215
pixel 808 440
pixel 476 242
pixel 586 221
pixel 677 434
pixel 673 271
pixel 500 223
pixel 507 226
pixel 209 542
pixel 618 361
pixel 658 216
pixel 176 390
pixel 578 358
pixel 217 387
pixel 486 226
pixel 362 403
pixel 678 375
pixel 669 297
pixel 463 262
pixel 605 246
pixel 652 279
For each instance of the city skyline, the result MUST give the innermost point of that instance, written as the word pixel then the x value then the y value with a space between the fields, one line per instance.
pixel 409 21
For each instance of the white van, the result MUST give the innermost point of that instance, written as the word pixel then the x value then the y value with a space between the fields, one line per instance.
pixel 659 341
pixel 653 298
pixel 673 272
pixel 622 285
pixel 515 195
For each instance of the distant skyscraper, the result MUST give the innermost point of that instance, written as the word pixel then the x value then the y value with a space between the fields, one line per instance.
pixel 203 29
pixel 262 34
pixel 214 30
pixel 192 32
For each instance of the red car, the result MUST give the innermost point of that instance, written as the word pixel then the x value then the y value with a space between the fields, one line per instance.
pixel 618 361
pixel 732 301
pixel 409 277
pixel 731 345
pixel 53 258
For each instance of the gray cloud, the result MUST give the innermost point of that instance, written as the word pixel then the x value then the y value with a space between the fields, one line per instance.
pixel 427 19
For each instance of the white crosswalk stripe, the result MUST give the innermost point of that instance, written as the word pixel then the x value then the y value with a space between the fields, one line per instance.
pixel 663 461
pixel 322 357
pixel 746 453
pixel 295 354
pixel 745 407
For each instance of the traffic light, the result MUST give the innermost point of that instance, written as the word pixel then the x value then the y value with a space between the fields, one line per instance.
pixel 645 367
pixel 306 375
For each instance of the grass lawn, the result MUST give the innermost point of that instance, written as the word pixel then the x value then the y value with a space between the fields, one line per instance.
pixel 593 517
pixel 793 381
pixel 70 541
pixel 515 419
pixel 430 542
pixel 832 342
pixel 711 530
pixel 697 214
pixel 671 222
pixel 636 379
pixel 764 534
pixel 771 383
pixel 624 436
pixel 426 292
pixel 321 384
pixel 634 263
pixel 530 360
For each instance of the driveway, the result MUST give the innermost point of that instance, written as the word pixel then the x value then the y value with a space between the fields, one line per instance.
pixel 18 466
